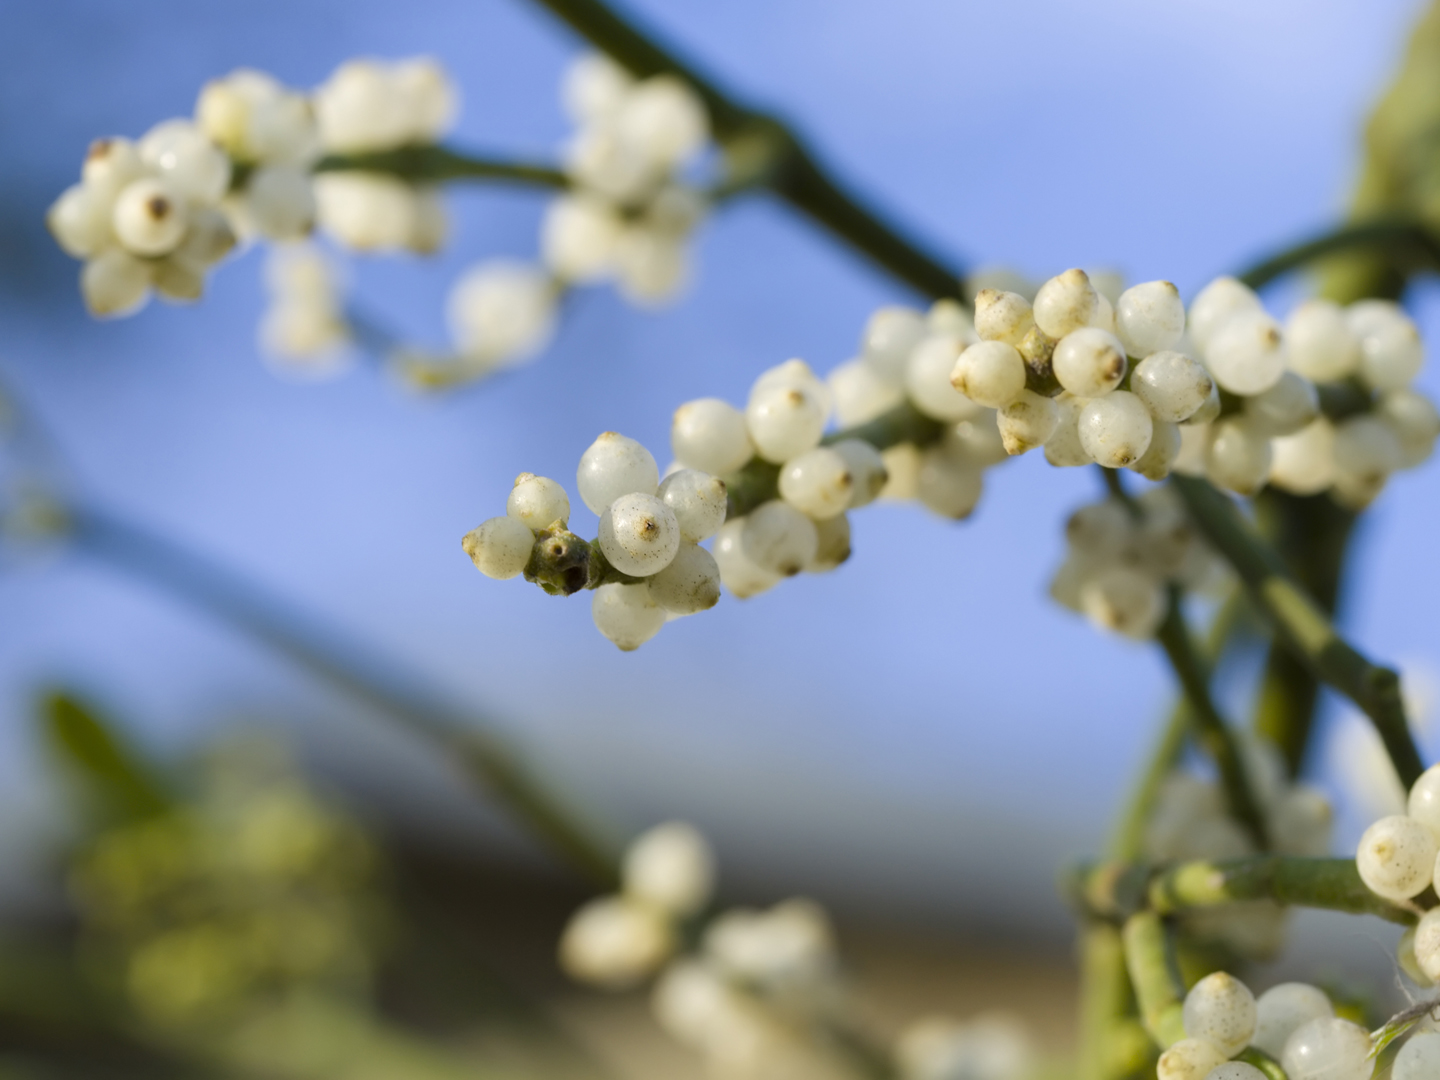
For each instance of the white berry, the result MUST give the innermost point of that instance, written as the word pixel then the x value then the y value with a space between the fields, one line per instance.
pixel 1150 318
pixel 710 435
pixel 626 614
pixel 639 534
pixel 698 501
pixel 1396 857
pixel 989 373
pixel 1089 362
pixel 538 501
pixel 613 466
pixel 500 547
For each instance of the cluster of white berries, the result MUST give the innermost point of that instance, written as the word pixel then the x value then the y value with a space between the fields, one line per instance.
pixel 1121 558
pixel 1278 373
pixel 1398 859
pixel 1293 1023
pixel 159 212
pixel 630 213
pixel 719 999
pixel 650 534
pixel 908 356
pixel 1226 393
pixel 990 1046
pixel 747 995
pixel 146 216
pixel 1058 371
pixel 370 106
pixel 1193 820
pixel 268 130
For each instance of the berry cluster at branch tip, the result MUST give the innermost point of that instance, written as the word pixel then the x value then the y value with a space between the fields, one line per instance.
pixel 747 988
pixel 764 482
pixel 630 213
pixel 146 217
pixel 1322 403
pixel 263 161
pixel 1398 858
pixel 1122 558
pixel 1293 1024
pixel 1019 376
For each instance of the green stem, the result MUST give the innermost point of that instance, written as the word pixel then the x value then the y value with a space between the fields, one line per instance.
pixel 1149 959
pixel 1312 535
pixel 1128 842
pixel 1326 884
pixel 1209 727
pixel 1302 623
pixel 1113 1045
pixel 328 652
pixel 436 164
pixel 792 171
pixel 1116 891
pixel 1407 234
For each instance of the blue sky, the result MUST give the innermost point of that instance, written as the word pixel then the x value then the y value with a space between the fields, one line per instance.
pixel 924 715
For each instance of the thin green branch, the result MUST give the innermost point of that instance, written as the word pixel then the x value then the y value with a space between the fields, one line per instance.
pixel 339 659
pixel 1209 727
pixel 1326 884
pixel 1128 842
pixel 1149 958
pixel 791 170
pixel 1116 891
pixel 1113 1044
pixel 1303 625
pixel 1312 535
pixel 436 164
pixel 1407 235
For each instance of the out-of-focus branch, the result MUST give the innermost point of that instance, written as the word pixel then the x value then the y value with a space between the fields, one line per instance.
pixel 1116 891
pixel 1158 988
pixel 335 656
pixel 1404 235
pixel 1209 727
pixel 1302 624
pixel 789 169
pixel 436 164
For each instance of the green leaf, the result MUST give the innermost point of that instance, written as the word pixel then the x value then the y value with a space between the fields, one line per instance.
pixel 119 779
pixel 1400 175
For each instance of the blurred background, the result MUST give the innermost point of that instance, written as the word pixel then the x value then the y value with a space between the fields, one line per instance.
pixel 920 755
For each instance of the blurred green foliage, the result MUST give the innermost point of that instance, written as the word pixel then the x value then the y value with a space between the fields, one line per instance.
pixel 1400 172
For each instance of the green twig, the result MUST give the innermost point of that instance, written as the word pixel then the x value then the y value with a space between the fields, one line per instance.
pixel 1312 535
pixel 1209 727
pixel 1150 961
pixel 1303 625
pixel 333 655
pixel 1128 842
pixel 1326 884
pixel 436 164
pixel 791 170
pixel 1407 234
pixel 1116 891
pixel 1113 1044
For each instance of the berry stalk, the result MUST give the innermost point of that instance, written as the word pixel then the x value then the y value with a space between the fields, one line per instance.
pixel 1303 624
pixel 791 171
